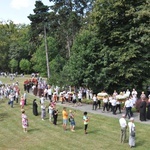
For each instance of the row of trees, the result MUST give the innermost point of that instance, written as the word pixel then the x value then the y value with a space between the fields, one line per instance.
pixel 94 43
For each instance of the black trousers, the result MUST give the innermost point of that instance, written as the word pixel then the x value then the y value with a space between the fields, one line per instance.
pixel 94 105
pixel 105 106
pixel 128 113
pixel 114 110
pixel 99 104
pixel 55 120
pixel 118 106
pixel 85 127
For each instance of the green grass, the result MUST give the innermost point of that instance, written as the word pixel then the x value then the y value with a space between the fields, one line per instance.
pixel 103 132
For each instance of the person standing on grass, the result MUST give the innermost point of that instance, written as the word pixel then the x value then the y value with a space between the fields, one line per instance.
pixel 35 107
pixel 131 126
pixel 22 101
pixel 43 111
pixel 55 115
pixel 65 118
pixel 24 121
pixel 42 99
pixel 123 125
pixel 49 93
pixel 71 120
pixel 86 121
pixel 50 111
pixel 11 98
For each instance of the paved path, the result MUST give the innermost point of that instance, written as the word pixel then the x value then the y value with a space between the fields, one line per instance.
pixel 88 108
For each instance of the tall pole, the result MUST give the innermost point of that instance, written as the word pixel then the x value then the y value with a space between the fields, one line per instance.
pixel 46 51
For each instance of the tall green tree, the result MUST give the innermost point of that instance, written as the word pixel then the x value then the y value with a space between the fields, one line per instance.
pixel 13 65
pixel 115 52
pixel 123 28
pixel 25 65
pixel 7 30
pixel 66 19
pixel 38 20
pixel 39 57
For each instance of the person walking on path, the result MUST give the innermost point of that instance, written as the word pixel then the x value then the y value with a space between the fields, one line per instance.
pixel 131 126
pixel 50 111
pixel 127 107
pixel 123 125
pixel 113 103
pixel 79 98
pixel 94 102
pixel 86 121
pixel 65 118
pixel 105 104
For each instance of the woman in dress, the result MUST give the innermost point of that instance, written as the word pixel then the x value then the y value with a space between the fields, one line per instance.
pixel 148 108
pixel 131 126
pixel 24 121
pixel 35 106
pixel 22 102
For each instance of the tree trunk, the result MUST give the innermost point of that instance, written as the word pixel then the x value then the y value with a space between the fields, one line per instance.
pixel 46 51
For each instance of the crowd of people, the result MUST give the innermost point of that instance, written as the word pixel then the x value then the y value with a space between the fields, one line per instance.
pixel 52 95
pixel 115 105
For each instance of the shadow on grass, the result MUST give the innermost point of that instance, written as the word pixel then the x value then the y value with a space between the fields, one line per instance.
pixel 3 116
pixel 2 101
pixel 139 143
pixel 33 130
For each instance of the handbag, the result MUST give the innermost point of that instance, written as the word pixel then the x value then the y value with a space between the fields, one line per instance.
pixel 132 132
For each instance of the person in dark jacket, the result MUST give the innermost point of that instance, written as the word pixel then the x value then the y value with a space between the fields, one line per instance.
pixel 55 115
pixel 143 110
pixel 148 108
pixel 35 108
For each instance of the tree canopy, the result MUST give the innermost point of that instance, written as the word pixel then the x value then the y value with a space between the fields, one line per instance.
pixel 99 44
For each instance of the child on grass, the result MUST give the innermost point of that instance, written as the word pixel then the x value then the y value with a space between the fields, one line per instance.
pixel 86 121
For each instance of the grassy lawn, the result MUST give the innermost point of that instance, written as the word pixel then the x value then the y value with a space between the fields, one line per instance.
pixel 103 132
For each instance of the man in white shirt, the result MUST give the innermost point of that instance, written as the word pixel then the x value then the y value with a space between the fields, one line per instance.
pixel 113 104
pixel 49 92
pixel 123 125
pixel 127 106
pixel 94 102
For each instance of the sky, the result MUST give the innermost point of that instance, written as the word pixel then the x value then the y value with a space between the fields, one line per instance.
pixel 18 10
